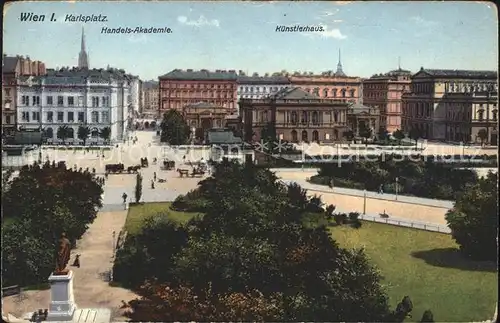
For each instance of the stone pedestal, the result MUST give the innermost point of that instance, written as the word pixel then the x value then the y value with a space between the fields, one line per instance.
pixel 62 305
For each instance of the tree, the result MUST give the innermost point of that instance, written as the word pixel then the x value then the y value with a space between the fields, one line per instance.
pixel 383 134
pixel 63 133
pixel 482 135
pixel 365 132
pixel 268 137
pixel 83 134
pixel 252 239
pixel 399 135
pixel 105 133
pixel 415 134
pixel 427 317
pixel 174 129
pixel 138 188
pixel 474 221
pixel 42 202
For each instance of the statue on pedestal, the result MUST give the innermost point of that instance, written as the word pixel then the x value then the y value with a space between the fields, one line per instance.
pixel 63 255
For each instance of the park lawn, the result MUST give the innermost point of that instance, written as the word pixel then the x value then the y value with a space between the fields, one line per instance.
pixel 425 266
pixel 137 213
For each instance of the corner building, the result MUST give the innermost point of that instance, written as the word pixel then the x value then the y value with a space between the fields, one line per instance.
pixel 452 105
pixel 180 88
pixel 74 98
pixel 298 116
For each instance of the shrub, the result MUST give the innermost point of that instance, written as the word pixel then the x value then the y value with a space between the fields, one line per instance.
pixel 340 218
pixel 427 317
pixel 353 216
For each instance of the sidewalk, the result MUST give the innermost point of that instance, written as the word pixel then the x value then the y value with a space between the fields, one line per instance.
pixel 374 195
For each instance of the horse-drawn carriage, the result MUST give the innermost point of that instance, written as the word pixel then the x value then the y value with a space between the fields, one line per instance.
pixel 168 164
pixel 133 169
pixel 114 168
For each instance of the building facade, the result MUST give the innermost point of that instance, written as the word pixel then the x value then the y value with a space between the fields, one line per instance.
pixel 258 87
pixel 179 88
pixel 385 91
pixel 150 95
pixel 297 115
pixel 12 68
pixel 73 98
pixel 452 105
pixel 359 116
pixel 330 85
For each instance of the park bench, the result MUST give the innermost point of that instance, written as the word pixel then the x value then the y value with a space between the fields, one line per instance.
pixel 183 172
pixel 11 290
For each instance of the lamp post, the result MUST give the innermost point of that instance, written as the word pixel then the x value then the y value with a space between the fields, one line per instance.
pixel 364 202
pixel 397 187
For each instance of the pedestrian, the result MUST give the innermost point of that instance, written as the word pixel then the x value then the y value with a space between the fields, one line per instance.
pixel 381 189
pixel 152 184
pixel 124 196
pixel 76 263
pixel 331 184
pixel 154 174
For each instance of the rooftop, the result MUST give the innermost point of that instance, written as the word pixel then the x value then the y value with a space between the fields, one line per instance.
pixel 222 137
pixel 193 75
pixel 295 93
pixel 263 80
pixel 9 64
pixel 358 108
pixel 458 73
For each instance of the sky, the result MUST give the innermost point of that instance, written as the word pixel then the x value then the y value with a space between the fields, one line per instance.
pixel 372 36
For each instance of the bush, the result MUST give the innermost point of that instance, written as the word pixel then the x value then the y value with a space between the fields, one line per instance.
pixel 427 317
pixel 340 218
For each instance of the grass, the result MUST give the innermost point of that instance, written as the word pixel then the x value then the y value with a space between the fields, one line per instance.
pixel 139 212
pixel 426 266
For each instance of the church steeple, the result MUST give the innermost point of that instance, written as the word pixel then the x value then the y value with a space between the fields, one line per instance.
pixel 339 71
pixel 83 61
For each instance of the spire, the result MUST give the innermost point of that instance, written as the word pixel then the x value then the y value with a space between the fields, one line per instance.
pixel 83 60
pixel 399 62
pixel 83 40
pixel 339 71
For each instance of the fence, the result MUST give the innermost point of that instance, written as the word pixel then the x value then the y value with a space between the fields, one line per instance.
pixel 406 223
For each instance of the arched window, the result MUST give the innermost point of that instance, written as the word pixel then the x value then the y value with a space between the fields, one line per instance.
pixel 315 136
pixel 353 93
pixel 94 133
pixel 304 135
pixel 315 119
pixel 295 119
pixel 71 133
pixel 343 92
pixel 334 93
pixel 316 91
pixel 294 136
pixel 325 93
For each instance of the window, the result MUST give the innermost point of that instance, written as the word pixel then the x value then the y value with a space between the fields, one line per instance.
pixel 50 116
pixel 95 117
pixel 25 99
pixel 71 116
pixel 71 101
pixel 105 117
pixel 294 118
pixel 80 101
pixel 352 93
pixel 7 119
pixel 343 93
pixel 495 115
pixel 25 116
pixel 95 101
pixel 60 116
pixel 60 101
pixel 50 100
pixel 480 115
pixel 36 116
pixel 315 119
pixel 334 93
pixel 335 117
pixel 104 104
pixel 304 117
pixel 81 117
pixel 7 92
